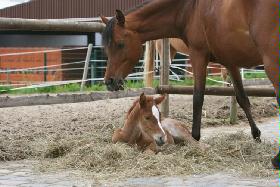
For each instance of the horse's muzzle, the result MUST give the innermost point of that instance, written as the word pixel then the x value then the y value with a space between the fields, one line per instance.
pixel 114 84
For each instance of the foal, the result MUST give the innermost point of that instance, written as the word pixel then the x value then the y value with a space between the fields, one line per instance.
pixel 144 127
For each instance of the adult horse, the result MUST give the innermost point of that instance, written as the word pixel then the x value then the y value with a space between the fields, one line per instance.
pixel 154 48
pixel 238 33
pixel 176 45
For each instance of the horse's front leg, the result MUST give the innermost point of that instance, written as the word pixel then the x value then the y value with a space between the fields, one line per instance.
pixel 244 102
pixel 199 63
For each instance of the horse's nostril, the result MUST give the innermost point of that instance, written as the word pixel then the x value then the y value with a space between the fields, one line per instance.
pixel 109 81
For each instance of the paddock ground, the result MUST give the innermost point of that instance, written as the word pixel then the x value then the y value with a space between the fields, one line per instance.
pixel 28 133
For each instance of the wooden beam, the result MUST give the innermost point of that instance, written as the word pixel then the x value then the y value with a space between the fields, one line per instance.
pixel 48 99
pixel 149 64
pixel 218 91
pixel 164 74
pixel 19 24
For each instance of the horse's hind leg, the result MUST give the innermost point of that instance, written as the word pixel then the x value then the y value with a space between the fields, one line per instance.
pixel 244 102
pixel 272 68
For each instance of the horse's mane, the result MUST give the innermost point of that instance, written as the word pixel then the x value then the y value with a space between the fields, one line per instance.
pixel 138 6
pixel 107 34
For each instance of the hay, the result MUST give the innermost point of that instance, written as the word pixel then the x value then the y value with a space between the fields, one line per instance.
pixel 79 136
pixel 235 153
pixel 217 112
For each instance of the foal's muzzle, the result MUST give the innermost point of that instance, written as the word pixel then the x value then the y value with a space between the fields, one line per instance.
pixel 160 141
pixel 114 84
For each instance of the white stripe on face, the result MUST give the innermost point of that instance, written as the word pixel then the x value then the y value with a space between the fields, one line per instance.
pixel 155 112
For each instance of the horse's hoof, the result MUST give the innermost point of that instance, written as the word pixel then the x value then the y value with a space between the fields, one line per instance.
pixel 275 163
pixel 258 140
pixel 275 105
pixel 257 135
pixel 196 136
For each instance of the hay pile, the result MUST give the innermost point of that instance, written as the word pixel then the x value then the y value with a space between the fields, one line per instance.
pixel 78 136
pixel 236 153
pixel 216 111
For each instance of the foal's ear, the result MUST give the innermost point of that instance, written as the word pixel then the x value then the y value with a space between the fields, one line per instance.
pixel 104 19
pixel 120 18
pixel 142 100
pixel 159 99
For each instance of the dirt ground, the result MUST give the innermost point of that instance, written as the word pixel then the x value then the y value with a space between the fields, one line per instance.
pixel 43 132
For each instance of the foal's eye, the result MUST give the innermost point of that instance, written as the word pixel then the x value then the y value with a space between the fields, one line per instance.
pixel 147 118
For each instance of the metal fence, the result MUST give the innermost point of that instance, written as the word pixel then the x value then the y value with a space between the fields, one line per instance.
pixel 70 65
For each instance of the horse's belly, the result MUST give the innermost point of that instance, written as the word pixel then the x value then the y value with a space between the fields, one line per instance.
pixel 237 50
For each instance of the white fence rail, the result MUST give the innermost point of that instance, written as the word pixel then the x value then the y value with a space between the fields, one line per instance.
pixel 63 67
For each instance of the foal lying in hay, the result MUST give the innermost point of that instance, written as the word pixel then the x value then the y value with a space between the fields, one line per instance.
pixel 144 127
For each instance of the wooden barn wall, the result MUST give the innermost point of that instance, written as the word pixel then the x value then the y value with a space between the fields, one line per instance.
pixel 59 9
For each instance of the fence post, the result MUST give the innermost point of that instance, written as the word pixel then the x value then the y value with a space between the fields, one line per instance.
pixel 149 64
pixel 93 67
pixel 233 110
pixel 242 73
pixel 164 73
pixel 86 67
pixel 233 102
pixel 45 67
pixel 8 75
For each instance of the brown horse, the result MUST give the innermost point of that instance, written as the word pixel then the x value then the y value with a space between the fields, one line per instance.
pixel 176 45
pixel 145 128
pixel 237 33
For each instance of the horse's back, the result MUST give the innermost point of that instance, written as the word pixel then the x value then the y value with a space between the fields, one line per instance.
pixel 232 27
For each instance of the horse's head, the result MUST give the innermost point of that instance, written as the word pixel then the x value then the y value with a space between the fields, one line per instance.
pixel 150 119
pixel 123 48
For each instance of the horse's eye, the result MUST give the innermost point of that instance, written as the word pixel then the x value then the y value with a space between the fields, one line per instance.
pixel 120 45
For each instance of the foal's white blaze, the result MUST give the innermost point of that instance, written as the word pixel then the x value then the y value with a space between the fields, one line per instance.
pixel 156 114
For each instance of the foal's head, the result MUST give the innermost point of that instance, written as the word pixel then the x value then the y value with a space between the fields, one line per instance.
pixel 123 48
pixel 150 119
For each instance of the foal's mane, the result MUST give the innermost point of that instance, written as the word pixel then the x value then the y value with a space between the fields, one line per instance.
pixel 131 109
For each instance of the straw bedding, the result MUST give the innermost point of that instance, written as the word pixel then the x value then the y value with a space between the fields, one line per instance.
pixel 79 136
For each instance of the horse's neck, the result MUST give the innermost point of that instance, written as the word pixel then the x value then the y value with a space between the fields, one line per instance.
pixel 158 19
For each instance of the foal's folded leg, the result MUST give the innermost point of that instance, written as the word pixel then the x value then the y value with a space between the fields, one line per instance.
pixel 181 133
pixel 151 149
pixel 118 136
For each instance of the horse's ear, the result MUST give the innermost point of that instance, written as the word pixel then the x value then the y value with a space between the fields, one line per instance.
pixel 120 18
pixel 142 100
pixel 159 99
pixel 104 19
